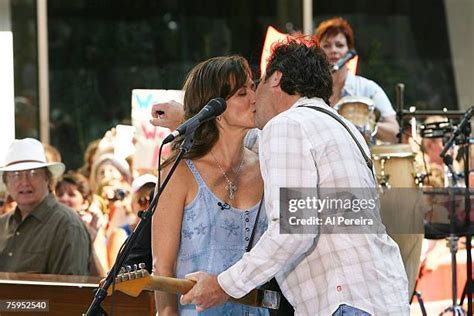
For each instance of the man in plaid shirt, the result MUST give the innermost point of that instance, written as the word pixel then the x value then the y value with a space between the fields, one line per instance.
pixel 320 274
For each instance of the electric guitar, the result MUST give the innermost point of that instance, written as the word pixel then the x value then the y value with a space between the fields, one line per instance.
pixel 133 281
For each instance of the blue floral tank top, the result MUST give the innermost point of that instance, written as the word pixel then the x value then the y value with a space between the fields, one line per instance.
pixel 213 237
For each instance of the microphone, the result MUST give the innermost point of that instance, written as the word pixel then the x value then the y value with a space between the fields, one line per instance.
pixel 341 62
pixel 224 206
pixel 448 161
pixel 211 110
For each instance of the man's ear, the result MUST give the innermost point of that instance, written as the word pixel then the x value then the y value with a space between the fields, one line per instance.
pixel 275 79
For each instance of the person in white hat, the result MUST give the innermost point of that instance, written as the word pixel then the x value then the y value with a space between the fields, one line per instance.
pixel 41 235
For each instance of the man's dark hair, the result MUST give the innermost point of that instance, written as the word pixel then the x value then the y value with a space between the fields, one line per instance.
pixel 304 67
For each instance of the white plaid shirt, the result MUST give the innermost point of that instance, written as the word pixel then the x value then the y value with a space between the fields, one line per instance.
pixel 302 147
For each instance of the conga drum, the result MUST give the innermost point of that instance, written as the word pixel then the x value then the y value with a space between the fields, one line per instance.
pixel 401 203
pixel 361 112
pixel 394 165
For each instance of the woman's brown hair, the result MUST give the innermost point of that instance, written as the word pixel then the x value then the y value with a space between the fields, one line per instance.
pixel 215 77
pixel 78 180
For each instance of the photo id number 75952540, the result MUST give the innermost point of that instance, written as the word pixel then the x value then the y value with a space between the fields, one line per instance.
pixel 26 305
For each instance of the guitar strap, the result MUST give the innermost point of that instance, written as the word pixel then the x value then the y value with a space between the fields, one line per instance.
pixel 285 308
pixel 367 159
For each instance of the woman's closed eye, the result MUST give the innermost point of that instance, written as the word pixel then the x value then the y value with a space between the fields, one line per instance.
pixel 242 92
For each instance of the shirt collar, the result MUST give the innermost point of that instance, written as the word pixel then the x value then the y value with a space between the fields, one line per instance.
pixel 349 85
pixel 41 211
pixel 16 215
pixel 306 100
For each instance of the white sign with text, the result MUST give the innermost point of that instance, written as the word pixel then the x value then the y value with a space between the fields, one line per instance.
pixel 149 137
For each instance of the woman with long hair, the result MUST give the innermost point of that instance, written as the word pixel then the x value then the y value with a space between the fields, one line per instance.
pixel 206 214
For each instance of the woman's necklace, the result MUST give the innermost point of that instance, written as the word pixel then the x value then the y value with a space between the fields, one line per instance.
pixel 231 187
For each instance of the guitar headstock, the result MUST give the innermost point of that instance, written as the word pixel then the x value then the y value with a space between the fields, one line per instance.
pixel 131 280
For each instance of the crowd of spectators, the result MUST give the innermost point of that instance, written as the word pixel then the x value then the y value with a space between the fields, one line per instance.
pixel 104 195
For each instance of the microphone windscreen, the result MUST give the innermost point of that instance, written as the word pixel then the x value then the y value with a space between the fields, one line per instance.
pixel 219 105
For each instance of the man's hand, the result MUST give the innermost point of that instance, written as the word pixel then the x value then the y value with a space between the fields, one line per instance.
pixel 206 293
pixel 168 114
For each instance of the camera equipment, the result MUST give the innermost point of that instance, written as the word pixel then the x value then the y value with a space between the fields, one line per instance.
pixel 119 195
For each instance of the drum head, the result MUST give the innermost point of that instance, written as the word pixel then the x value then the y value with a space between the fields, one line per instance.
pixel 392 151
pixel 359 111
pixel 354 100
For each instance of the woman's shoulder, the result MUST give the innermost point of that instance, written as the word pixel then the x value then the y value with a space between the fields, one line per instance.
pixel 180 174
pixel 180 186
pixel 365 82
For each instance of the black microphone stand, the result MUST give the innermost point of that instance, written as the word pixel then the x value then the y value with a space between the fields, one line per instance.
pixel 468 288
pixel 95 308
pixel 453 238
pixel 399 93
pixel 464 129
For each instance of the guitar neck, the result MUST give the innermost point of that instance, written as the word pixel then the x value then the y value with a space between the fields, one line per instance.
pixel 182 286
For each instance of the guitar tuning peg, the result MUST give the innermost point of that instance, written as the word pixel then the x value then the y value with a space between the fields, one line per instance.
pixel 125 276
pixel 133 275
pixel 135 267
pixel 122 270
pixel 129 268
pixel 142 272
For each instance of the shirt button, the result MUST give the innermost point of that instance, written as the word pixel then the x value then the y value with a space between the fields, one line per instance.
pixel 246 239
pixel 247 229
pixel 247 219
pixel 18 233
pixel 10 254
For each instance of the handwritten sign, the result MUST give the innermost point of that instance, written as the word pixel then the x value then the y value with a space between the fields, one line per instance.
pixel 149 137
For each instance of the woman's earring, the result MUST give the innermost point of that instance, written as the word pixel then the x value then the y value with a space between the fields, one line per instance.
pixel 218 118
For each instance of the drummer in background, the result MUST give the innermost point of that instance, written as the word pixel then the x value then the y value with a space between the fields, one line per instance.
pixel 431 166
pixel 336 38
pixel 429 160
